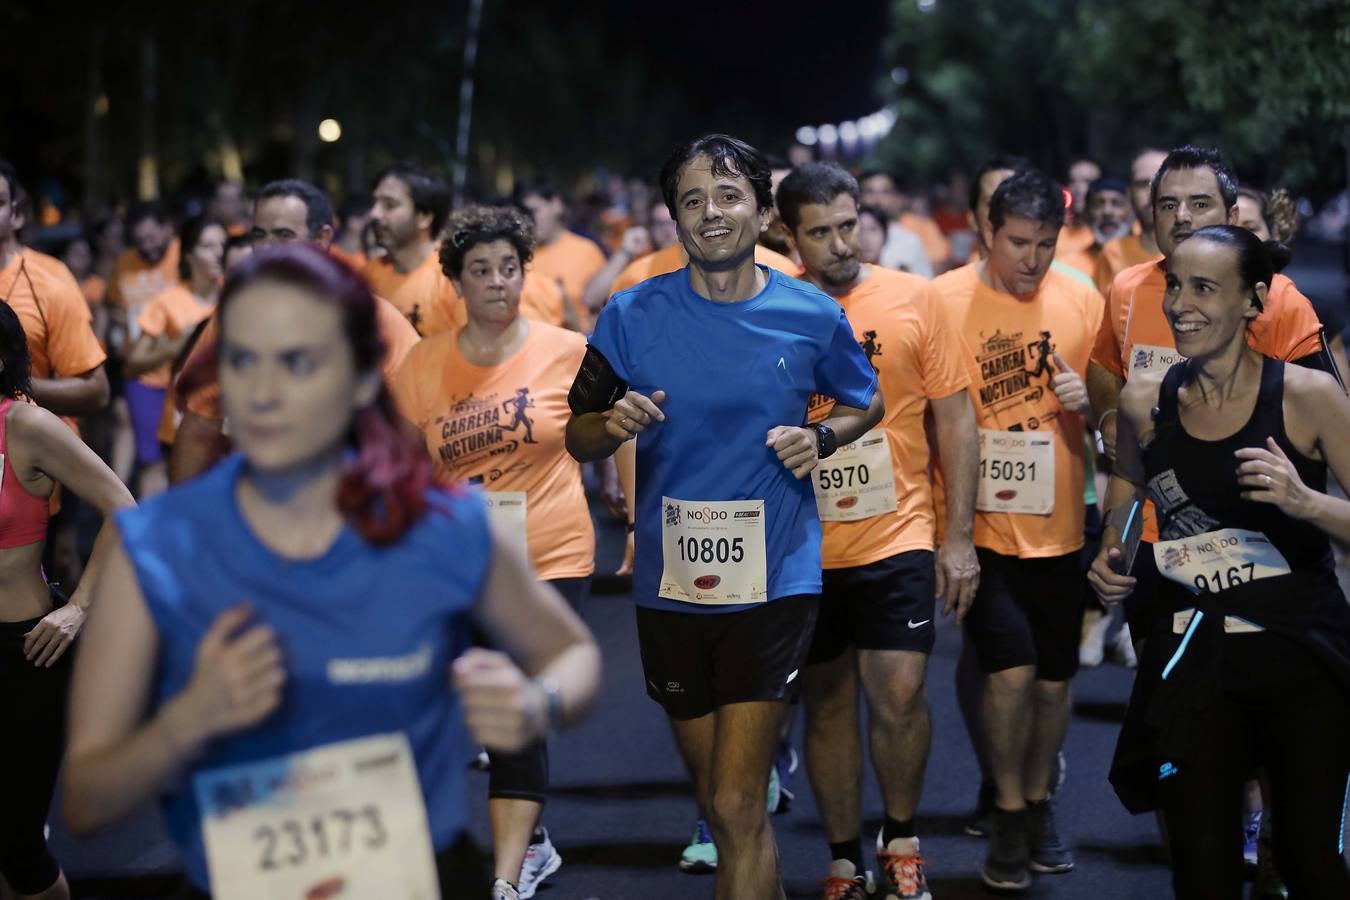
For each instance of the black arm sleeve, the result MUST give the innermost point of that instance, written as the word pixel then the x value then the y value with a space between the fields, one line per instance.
pixel 597 386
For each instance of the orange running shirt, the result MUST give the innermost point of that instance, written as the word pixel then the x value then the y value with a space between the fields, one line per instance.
pixel 571 261
pixel 398 334
pixel 898 320
pixel 1287 329
pixel 174 312
pixel 503 427
pixel 673 258
pixel 54 314
pixel 935 243
pixel 134 281
pixel 1116 257
pixel 1008 345
pixel 425 296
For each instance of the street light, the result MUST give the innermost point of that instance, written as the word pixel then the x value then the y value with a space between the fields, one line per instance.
pixel 330 131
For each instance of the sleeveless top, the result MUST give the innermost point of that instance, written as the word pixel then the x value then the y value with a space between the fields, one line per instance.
pixel 367 634
pixel 23 517
pixel 1302 620
pixel 1193 483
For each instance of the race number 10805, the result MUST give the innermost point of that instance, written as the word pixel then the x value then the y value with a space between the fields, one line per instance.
pixel 708 550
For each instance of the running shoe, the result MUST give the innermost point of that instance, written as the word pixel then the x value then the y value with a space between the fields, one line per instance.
pixel 541 860
pixel 978 824
pixel 1048 853
pixel 776 802
pixel 1268 884
pixel 1005 865
pixel 901 869
pixel 700 857
pixel 502 890
pixel 1251 834
pixel 844 882
pixel 1092 649
pixel 785 763
pixel 1123 647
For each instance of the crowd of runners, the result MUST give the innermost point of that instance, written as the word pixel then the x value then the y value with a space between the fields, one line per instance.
pixel 346 549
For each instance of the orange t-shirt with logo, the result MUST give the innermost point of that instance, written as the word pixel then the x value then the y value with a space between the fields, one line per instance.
pixel 899 322
pixel 1116 257
pixel 174 312
pixel 571 261
pixel 398 333
pixel 54 314
pixel 673 258
pixel 935 244
pixel 425 296
pixel 134 281
pixel 503 427
pixel 1008 346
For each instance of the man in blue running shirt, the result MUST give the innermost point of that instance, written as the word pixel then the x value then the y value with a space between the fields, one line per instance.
pixel 713 366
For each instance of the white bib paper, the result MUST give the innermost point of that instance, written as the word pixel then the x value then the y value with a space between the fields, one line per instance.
pixel 858 481
pixel 343 820
pixel 1218 560
pixel 713 551
pixel 506 511
pixel 1017 472
pixel 1145 358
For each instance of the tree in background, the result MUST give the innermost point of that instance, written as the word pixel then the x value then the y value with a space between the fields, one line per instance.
pixel 1267 82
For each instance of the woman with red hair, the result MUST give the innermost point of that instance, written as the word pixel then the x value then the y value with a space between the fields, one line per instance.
pixel 273 640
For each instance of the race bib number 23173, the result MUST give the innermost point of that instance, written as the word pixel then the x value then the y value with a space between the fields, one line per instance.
pixel 342 820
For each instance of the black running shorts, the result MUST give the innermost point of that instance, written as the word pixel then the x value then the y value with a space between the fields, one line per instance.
pixel 1028 612
pixel 885 605
pixel 697 662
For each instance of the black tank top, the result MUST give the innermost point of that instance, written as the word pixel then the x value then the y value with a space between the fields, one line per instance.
pixel 1193 483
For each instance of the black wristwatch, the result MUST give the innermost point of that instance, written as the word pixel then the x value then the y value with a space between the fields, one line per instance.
pixel 826 442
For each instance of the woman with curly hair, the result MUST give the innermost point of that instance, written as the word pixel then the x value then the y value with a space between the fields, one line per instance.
pixel 490 398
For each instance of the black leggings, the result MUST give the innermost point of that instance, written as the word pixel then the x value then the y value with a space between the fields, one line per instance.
pixel 524 775
pixel 33 702
pixel 1296 723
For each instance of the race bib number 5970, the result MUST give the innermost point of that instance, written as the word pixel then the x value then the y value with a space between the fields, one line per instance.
pixel 342 820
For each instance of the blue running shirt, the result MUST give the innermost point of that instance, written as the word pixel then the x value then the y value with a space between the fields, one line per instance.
pixel 731 371
pixel 367 634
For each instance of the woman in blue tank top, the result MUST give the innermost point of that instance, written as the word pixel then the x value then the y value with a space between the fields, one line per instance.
pixel 1252 667
pixel 280 646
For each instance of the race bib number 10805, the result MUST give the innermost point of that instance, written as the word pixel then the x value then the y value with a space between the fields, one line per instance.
pixel 713 551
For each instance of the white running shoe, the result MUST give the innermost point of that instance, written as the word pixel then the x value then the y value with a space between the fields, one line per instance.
pixel 501 890
pixel 541 860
